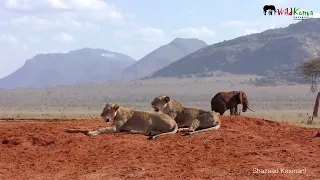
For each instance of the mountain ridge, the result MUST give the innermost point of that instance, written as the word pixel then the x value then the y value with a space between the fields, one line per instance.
pixel 257 53
pixel 83 65
pixel 163 56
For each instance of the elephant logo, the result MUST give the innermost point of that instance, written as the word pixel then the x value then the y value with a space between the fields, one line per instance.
pixel 269 8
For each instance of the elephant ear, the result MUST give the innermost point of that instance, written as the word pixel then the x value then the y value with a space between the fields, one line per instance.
pixel 241 94
pixel 243 97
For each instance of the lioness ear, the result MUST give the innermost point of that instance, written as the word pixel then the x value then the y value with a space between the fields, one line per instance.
pixel 166 99
pixel 116 107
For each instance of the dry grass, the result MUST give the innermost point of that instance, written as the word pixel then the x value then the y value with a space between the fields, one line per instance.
pixel 282 103
pixel 293 117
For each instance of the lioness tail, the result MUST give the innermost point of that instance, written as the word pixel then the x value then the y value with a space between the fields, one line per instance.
pixel 77 131
pixel 217 126
pixel 175 130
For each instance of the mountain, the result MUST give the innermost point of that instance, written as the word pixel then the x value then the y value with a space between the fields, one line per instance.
pixel 163 56
pixel 266 53
pixel 79 66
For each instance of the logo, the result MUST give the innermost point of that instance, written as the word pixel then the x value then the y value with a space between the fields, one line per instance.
pixel 296 13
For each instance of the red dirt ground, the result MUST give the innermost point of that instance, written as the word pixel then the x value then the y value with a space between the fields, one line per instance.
pixel 42 150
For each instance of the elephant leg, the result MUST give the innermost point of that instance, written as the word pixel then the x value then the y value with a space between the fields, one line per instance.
pixel 232 111
pixel 236 110
pixel 216 110
pixel 220 110
pixel 223 109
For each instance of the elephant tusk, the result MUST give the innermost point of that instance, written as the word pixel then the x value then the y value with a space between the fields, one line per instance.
pixel 250 109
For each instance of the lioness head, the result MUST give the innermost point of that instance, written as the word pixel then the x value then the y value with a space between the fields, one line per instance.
pixel 159 103
pixel 110 111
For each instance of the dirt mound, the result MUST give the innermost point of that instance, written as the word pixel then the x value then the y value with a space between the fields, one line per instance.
pixel 35 140
pixel 242 146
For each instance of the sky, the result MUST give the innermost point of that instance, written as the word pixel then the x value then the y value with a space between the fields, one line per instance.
pixel 131 27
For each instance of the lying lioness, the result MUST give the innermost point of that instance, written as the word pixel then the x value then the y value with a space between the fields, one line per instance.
pixel 136 122
pixel 188 119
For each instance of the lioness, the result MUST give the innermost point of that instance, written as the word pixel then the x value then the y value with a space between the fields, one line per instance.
pixel 188 119
pixel 136 122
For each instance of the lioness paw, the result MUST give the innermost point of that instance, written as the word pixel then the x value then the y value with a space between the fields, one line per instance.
pixel 92 133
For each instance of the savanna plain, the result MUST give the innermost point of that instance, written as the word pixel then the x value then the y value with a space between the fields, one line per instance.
pixel 36 146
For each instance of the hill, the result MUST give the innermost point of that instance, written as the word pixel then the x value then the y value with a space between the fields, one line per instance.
pixel 44 150
pixel 79 66
pixel 162 57
pixel 264 54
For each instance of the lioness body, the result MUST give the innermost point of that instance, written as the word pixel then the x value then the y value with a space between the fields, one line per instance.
pixel 188 119
pixel 138 122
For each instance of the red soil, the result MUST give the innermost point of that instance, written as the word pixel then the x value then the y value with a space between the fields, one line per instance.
pixel 42 150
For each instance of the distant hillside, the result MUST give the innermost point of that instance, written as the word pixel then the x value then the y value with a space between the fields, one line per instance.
pixel 78 66
pixel 285 76
pixel 265 53
pixel 162 57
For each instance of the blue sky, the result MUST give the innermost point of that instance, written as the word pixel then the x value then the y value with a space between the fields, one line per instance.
pixel 135 28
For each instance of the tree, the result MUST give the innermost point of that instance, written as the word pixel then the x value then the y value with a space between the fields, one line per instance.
pixel 311 70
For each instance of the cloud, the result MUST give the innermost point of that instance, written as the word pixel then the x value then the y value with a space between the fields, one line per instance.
pixel 75 14
pixel 238 23
pixel 190 32
pixel 25 47
pixel 37 23
pixel 315 14
pixel 127 48
pixel 144 34
pixel 109 55
pixel 34 39
pixel 8 39
pixel 274 2
pixel 53 5
pixel 277 22
pixel 251 31
pixel 16 4
pixel 149 32
pixel 63 37
pixel 58 4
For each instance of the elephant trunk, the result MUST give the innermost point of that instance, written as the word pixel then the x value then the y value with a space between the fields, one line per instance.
pixel 244 101
pixel 244 108
pixel 245 105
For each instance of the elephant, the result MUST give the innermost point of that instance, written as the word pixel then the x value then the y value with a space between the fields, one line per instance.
pixel 270 8
pixel 223 101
